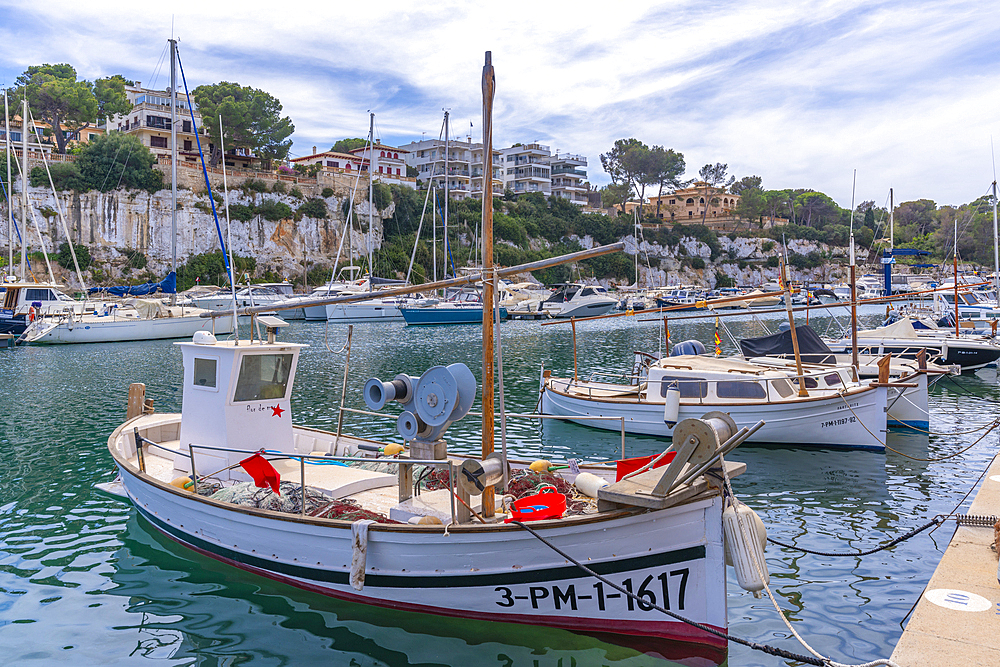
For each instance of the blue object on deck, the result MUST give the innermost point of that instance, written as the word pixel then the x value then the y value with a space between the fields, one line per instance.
pixel 168 286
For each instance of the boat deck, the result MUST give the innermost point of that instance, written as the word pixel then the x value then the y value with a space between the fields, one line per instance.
pixel 957 621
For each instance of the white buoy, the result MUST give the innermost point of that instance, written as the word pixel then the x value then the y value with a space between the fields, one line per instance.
pixel 671 405
pixel 589 484
pixel 745 540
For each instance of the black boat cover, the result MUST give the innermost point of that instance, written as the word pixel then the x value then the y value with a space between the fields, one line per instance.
pixel 812 349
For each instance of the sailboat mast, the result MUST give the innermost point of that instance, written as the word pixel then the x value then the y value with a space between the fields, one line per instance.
pixel 371 198
pixel 854 285
pixel 996 247
pixel 24 189
pixel 434 232
pixel 444 220
pixel 10 190
pixel 955 262
pixel 173 165
pixel 489 284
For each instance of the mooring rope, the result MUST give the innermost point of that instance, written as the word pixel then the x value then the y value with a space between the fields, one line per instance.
pixel 764 581
pixel 989 428
pixel 936 521
pixel 765 648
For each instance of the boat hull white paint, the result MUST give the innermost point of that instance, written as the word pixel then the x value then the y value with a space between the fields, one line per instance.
pixel 501 575
pixel 822 422
pixel 109 330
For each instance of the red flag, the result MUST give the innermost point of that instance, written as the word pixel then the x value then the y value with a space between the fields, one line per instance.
pixel 262 471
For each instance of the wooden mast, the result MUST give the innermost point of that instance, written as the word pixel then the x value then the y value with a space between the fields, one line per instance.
pixel 489 282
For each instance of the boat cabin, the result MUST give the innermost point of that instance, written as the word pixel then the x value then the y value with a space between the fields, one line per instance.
pixel 706 380
pixel 18 297
pixel 568 291
pixel 250 386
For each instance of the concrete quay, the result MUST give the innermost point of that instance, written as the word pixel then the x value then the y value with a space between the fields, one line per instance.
pixel 957 620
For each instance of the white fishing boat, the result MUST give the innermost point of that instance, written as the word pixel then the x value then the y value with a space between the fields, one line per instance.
pixel 578 300
pixel 24 302
pixel 832 411
pixel 653 539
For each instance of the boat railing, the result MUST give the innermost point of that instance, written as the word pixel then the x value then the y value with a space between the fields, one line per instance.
pixel 511 415
pixel 302 459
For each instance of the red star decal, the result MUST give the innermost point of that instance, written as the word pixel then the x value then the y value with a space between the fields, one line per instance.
pixel 276 411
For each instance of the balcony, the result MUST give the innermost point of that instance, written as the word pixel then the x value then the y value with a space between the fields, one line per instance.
pixel 570 171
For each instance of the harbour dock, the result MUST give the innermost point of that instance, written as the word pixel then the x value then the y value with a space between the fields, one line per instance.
pixel 957 621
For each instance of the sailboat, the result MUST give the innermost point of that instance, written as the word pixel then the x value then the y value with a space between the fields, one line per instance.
pixel 361 533
pixel 135 319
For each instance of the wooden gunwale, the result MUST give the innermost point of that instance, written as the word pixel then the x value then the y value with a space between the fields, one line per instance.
pixel 572 521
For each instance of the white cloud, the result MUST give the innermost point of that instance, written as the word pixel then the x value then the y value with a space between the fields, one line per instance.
pixel 799 93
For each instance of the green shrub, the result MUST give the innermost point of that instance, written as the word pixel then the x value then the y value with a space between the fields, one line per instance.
pixel 279 187
pixel 722 280
pixel 314 208
pixel 327 192
pixel 767 246
pixel 65 176
pixel 133 259
pixel 65 258
pixel 253 185
pixel 274 210
pixel 241 212
pixel 295 192
pixel 697 263
pixel 772 262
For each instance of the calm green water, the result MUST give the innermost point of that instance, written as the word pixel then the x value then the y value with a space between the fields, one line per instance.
pixel 83 581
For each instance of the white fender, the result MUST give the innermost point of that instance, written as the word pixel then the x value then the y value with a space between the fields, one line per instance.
pixel 745 540
pixel 671 405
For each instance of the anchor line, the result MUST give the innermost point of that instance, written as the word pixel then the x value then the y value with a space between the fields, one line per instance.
pixel 765 648
pixel 955 382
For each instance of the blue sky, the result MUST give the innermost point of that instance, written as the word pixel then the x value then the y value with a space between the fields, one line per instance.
pixel 801 94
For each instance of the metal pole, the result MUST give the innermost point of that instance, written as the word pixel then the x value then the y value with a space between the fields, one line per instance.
pixel 996 249
pixel 955 262
pixel 343 387
pixel 173 164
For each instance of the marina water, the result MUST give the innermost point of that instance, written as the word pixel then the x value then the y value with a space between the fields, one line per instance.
pixel 83 581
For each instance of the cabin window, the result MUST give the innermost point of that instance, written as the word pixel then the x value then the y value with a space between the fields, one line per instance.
pixel 688 388
pixel 783 387
pixel 35 294
pixel 263 377
pixel 205 373
pixel 810 382
pixel 739 389
pixel 587 292
pixel 832 380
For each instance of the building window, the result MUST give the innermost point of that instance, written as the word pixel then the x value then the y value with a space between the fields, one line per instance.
pixel 158 142
pixel 690 201
pixel 187 145
pixel 690 213
pixel 380 170
pixel 158 122
pixel 672 201
pixel 348 166
pixel 382 154
pixel 397 171
pixel 186 126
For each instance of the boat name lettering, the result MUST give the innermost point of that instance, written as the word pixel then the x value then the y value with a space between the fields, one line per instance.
pixel 845 407
pixel 839 422
pixel 258 408
pixel 666 589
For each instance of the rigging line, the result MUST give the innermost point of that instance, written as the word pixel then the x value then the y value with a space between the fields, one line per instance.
pixel 204 171
pixel 949 456
pixel 25 183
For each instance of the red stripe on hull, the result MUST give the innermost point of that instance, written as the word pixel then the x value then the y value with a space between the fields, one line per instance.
pixel 671 640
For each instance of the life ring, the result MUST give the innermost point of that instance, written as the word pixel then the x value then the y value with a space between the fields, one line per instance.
pixel 31 314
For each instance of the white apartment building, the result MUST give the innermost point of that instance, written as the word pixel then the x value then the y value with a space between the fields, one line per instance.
pixel 569 177
pixel 526 169
pixel 461 169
